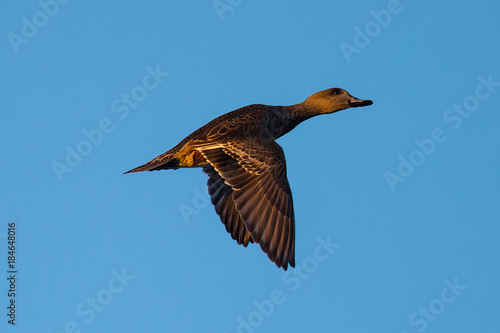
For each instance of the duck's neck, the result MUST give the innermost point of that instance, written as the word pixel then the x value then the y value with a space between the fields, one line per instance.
pixel 288 118
pixel 302 110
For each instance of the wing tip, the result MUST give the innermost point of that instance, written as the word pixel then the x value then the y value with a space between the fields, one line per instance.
pixel 285 264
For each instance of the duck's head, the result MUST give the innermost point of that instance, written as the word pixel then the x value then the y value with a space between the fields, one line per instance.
pixel 333 100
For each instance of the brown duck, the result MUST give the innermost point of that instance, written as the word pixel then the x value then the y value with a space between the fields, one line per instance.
pixel 246 168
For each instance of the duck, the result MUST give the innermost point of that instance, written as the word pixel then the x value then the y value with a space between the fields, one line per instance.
pixel 246 168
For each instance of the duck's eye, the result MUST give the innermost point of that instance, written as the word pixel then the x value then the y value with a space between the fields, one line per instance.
pixel 335 91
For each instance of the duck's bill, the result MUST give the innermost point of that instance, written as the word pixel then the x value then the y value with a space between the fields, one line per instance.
pixel 355 102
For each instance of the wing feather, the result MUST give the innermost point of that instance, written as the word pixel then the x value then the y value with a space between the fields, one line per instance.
pixel 250 192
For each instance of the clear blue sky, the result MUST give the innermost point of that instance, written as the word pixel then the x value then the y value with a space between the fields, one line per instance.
pixel 404 193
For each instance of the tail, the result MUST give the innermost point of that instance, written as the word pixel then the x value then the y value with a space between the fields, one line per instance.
pixel 158 163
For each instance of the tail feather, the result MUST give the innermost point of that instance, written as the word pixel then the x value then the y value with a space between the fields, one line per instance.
pixel 158 164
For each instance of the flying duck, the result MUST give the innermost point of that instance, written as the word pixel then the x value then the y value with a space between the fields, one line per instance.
pixel 246 168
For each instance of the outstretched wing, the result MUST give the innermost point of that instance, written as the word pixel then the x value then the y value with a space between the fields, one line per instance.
pixel 221 196
pixel 250 192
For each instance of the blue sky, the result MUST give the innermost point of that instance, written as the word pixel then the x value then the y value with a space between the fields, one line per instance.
pixel 397 204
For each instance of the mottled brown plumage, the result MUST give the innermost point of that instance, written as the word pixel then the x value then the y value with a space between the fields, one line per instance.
pixel 246 168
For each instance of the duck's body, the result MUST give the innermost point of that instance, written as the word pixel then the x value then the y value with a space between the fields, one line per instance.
pixel 246 168
pixel 257 120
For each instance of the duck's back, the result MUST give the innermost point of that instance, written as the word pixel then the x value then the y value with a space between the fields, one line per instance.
pixel 248 121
